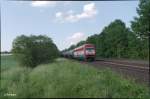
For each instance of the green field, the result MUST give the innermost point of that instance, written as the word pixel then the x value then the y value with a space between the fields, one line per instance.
pixel 65 78
pixel 7 62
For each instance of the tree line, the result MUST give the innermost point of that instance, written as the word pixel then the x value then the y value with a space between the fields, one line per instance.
pixel 5 52
pixel 118 41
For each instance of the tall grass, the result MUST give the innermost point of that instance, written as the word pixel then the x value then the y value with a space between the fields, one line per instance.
pixel 65 78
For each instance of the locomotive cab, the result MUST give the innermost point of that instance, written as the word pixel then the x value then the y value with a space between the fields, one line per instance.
pixel 90 53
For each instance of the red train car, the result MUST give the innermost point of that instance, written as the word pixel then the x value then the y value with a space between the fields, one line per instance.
pixel 85 52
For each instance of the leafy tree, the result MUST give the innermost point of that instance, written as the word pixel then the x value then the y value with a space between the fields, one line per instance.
pixel 141 27
pixel 34 50
pixel 112 42
pixel 141 24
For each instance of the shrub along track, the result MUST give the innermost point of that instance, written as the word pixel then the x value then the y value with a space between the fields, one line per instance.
pixel 131 70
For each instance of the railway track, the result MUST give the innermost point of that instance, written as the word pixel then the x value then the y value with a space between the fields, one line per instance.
pixel 137 71
pixel 133 66
pixel 127 64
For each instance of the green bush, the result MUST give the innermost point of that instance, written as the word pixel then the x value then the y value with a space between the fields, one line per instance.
pixel 34 50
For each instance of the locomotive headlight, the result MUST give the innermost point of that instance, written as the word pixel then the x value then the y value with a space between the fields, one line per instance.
pixel 93 52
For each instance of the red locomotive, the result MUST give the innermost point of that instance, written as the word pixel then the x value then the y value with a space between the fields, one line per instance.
pixel 85 52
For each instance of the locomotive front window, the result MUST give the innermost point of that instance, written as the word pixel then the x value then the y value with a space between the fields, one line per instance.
pixel 90 49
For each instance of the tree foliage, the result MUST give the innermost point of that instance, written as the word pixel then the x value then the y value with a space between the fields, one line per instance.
pixel 117 41
pixel 141 24
pixel 141 27
pixel 112 42
pixel 34 50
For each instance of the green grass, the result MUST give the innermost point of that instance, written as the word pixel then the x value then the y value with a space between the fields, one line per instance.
pixel 65 78
pixel 8 62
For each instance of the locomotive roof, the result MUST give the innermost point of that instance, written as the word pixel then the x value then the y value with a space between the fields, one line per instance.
pixel 69 51
pixel 83 46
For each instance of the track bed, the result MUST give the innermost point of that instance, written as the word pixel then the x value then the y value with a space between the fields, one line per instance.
pixel 139 71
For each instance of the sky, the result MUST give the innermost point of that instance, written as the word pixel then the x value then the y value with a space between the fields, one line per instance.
pixel 66 22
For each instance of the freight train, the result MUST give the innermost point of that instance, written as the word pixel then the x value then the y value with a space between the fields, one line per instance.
pixel 85 52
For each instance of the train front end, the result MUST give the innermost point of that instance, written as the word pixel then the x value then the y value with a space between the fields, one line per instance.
pixel 89 52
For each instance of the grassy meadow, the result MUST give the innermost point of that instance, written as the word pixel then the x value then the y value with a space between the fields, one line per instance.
pixel 7 62
pixel 64 78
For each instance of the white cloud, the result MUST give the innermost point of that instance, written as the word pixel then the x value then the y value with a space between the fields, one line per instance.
pixel 75 38
pixel 43 3
pixel 89 11
pixel 58 14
